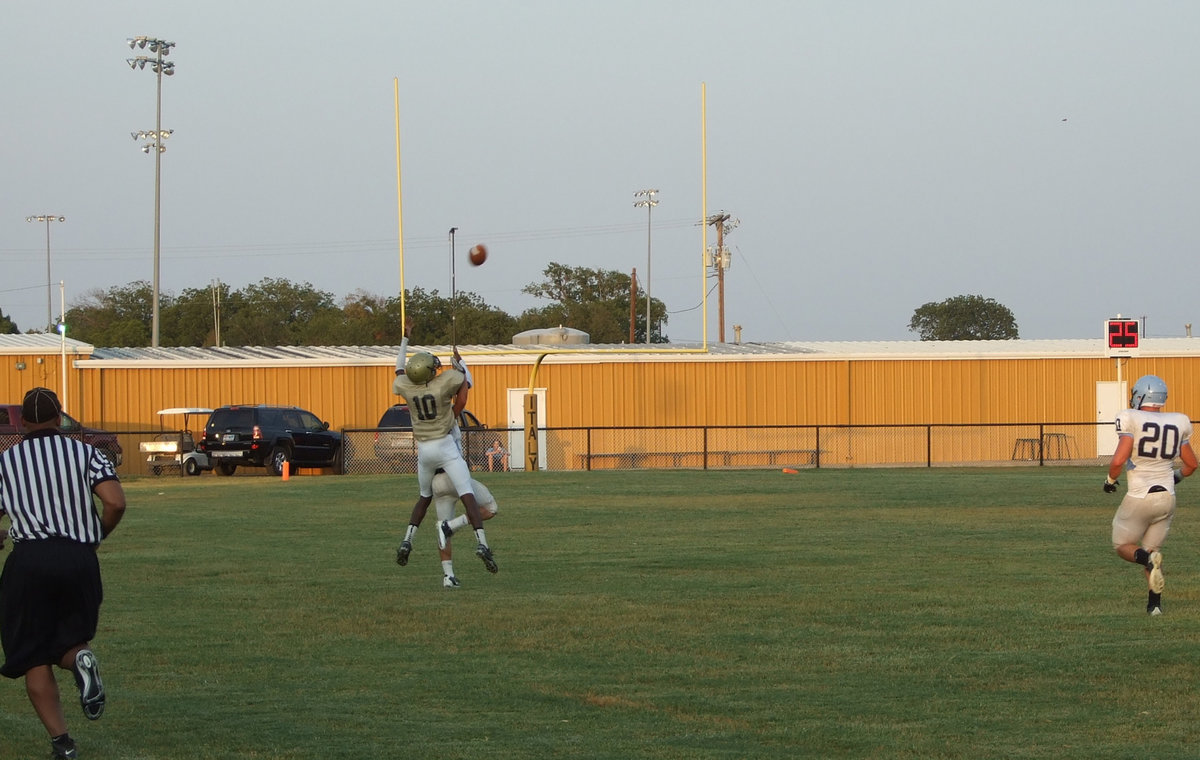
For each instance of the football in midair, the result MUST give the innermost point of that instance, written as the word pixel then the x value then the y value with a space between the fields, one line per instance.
pixel 478 254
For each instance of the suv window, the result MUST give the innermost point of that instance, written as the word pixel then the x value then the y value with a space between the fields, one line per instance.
pixel 397 417
pixel 309 422
pixel 231 418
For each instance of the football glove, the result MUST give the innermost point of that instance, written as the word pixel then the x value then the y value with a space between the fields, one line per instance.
pixel 1110 485
pixel 1178 476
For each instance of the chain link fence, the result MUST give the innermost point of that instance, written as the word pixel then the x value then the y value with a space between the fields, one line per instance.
pixel 376 451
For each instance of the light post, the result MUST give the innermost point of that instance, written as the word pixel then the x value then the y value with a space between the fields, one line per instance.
pixel 47 218
pixel 649 203
pixel 159 67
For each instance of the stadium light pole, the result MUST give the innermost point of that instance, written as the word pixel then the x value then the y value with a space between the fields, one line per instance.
pixel 47 218
pixel 649 203
pixel 160 67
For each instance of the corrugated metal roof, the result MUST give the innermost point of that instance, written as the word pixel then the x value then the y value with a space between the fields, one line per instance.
pixel 41 343
pixel 498 354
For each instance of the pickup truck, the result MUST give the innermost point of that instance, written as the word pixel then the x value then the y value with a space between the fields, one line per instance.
pixel 12 428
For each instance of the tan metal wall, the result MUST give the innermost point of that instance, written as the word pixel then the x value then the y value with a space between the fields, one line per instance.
pixel 724 391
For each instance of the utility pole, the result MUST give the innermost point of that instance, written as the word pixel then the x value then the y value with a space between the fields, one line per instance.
pixel 720 261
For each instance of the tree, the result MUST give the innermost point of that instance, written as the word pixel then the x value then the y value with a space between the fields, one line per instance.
pixel 964 318
pixel 7 326
pixel 276 312
pixel 595 301
pixel 119 316
pixel 465 319
pixel 190 319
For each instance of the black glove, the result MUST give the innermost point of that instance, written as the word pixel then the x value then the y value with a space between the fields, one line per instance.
pixel 1178 476
pixel 1110 486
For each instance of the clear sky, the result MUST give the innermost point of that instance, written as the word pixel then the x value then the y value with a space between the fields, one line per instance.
pixel 879 155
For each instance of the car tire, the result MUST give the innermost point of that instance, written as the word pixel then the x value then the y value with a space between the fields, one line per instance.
pixel 279 456
pixel 191 467
pixel 226 469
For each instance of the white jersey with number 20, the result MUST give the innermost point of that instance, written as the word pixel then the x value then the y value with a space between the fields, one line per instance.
pixel 1157 440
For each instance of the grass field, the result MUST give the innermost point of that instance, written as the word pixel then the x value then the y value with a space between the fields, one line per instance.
pixel 951 613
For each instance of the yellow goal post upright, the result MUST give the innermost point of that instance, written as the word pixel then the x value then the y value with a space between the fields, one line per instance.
pixel 399 196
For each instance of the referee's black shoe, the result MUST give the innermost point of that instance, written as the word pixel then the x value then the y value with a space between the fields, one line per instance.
pixel 63 747
pixel 91 688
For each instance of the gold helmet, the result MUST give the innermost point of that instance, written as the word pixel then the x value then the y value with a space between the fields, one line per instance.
pixel 421 367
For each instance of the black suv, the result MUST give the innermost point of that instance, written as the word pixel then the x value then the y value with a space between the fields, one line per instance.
pixel 395 447
pixel 269 436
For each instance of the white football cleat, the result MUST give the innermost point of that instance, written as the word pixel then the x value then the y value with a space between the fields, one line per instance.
pixel 449 581
pixel 1157 582
pixel 443 533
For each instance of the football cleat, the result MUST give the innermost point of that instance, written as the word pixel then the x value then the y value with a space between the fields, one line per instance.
pixel 449 581
pixel 443 533
pixel 1154 610
pixel 403 552
pixel 485 554
pixel 63 747
pixel 1157 582
pixel 91 689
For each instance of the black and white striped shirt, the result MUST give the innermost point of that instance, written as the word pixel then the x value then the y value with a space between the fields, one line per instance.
pixel 46 484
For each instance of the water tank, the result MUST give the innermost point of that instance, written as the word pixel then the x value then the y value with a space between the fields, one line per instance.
pixel 552 336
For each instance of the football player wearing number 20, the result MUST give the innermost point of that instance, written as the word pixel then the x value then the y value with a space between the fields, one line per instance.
pixel 1148 442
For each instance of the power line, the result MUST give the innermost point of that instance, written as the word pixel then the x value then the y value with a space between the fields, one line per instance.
pixel 238 250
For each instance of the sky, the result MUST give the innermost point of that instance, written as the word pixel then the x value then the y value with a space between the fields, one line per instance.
pixel 877 155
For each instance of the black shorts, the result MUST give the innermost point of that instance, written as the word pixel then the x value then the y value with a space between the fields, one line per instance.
pixel 50 596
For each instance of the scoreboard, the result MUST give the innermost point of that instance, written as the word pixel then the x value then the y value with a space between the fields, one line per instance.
pixel 1123 336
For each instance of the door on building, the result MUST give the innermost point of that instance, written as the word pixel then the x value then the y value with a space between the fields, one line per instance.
pixel 516 424
pixel 1110 399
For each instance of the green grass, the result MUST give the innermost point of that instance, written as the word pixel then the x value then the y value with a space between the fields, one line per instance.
pixel 829 614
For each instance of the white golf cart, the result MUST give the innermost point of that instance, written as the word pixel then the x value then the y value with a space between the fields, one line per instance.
pixel 177 449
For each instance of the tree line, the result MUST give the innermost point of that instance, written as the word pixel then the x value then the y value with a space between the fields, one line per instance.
pixel 278 312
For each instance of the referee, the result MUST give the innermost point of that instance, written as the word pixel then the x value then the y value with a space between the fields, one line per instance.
pixel 50 589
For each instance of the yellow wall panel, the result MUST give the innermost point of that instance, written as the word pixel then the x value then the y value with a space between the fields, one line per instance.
pixel 622 392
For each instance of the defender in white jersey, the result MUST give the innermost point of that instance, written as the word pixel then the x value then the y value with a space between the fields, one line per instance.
pixel 1149 440
pixel 445 499
pixel 435 401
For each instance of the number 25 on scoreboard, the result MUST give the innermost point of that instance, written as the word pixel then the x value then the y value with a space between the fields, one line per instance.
pixel 1123 336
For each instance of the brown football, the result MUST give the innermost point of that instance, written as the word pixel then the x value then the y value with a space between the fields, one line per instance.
pixel 478 254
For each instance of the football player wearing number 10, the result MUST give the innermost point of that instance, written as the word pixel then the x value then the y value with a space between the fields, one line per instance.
pixel 1149 440
pixel 435 401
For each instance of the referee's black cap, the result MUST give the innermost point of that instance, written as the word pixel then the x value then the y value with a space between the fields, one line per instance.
pixel 40 405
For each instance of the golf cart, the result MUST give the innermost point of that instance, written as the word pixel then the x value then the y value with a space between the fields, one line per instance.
pixel 177 448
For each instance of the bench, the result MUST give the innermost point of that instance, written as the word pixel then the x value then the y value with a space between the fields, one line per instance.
pixel 634 460
pixel 1051 445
